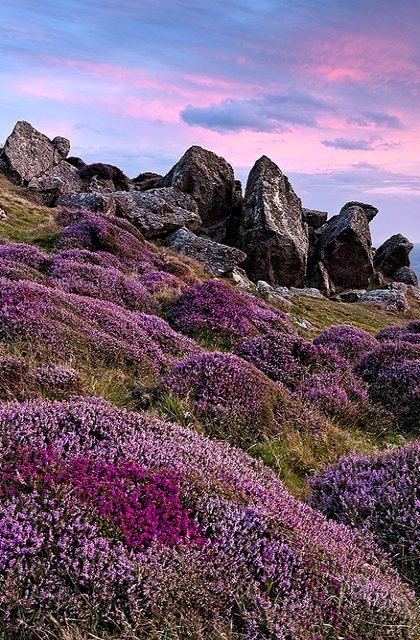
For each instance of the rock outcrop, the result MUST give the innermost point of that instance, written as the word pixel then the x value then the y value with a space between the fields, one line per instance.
pixel 314 218
pixel 56 181
pixel 392 299
pixel 393 254
pixel 218 259
pixel 158 211
pixel 210 180
pixel 91 201
pixel 273 233
pixel 343 254
pixel 406 275
pixel 28 153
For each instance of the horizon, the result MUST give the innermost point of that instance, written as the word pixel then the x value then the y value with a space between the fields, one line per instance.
pixel 328 90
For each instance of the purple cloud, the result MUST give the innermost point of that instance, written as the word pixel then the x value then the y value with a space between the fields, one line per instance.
pixel 349 145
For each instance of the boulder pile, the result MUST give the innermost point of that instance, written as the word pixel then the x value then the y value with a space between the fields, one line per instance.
pixel 198 210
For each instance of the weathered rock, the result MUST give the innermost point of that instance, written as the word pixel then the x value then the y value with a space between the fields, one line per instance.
pixel 91 201
pixel 351 295
pixel 318 277
pixel 239 278
pixel 147 180
pixel 308 292
pixel 406 275
pixel 216 258
pixel 264 288
pixel 28 153
pixel 158 211
pixel 210 180
pixel 391 299
pixel 314 218
pixel 345 250
pixel 101 185
pixel 273 233
pixel 368 209
pixel 393 254
pixel 57 180
pixel 3 215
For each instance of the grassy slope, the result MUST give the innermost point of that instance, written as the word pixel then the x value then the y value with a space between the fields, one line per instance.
pixel 295 454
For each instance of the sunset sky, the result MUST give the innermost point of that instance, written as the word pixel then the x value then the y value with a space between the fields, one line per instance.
pixel 329 89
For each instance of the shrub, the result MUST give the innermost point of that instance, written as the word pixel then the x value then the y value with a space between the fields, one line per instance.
pixel 351 342
pixel 397 388
pixel 105 172
pixel 385 355
pixel 408 333
pixel 232 398
pixel 227 551
pixel 211 309
pixel 377 494
pixel 24 254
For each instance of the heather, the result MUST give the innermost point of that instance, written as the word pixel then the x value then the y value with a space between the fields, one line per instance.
pixel 214 312
pixel 131 524
pixel 377 494
pixel 230 397
pixel 351 342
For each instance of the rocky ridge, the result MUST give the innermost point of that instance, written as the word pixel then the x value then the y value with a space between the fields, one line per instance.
pixel 198 210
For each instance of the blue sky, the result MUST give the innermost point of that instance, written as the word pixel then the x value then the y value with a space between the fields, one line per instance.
pixel 329 89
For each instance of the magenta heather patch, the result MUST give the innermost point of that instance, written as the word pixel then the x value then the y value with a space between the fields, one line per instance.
pixel 351 342
pixel 408 333
pixel 224 314
pixel 24 254
pixel 272 565
pixel 377 494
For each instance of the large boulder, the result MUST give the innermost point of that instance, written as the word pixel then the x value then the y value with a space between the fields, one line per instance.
pixel 218 259
pixel 28 153
pixel 368 209
pixel 273 233
pixel 406 275
pixel 91 201
pixel 391 299
pixel 314 218
pixel 58 180
pixel 210 180
pixel 344 250
pixel 158 211
pixel 393 254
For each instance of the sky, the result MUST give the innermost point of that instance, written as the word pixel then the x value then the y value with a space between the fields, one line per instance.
pixel 328 89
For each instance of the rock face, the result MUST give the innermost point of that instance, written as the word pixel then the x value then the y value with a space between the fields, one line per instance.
pixel 216 258
pixel 406 275
pixel 158 211
pixel 28 153
pixel 273 233
pixel 314 218
pixel 368 209
pixel 393 254
pixel 343 254
pixel 57 180
pixel 210 180
pixel 91 201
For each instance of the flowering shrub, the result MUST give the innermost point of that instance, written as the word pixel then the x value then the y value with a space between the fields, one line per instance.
pixel 408 333
pixel 230 551
pixel 351 342
pixel 387 354
pixel 105 172
pixel 232 398
pixel 69 325
pixel 18 271
pixel 56 377
pixel 163 286
pixel 377 494
pixel 226 315
pixel 24 254
pixel 104 283
pixel 397 388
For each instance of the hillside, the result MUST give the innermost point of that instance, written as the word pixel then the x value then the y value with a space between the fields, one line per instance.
pixel 190 450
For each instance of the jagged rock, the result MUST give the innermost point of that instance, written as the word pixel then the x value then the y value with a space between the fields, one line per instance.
pixel 101 185
pixel 210 180
pixel 239 278
pixel 273 233
pixel 318 277
pixel 91 201
pixel 391 299
pixel 216 258
pixel 368 209
pixel 351 295
pixel 308 292
pixel 147 180
pixel 393 254
pixel 406 275
pixel 58 180
pixel 158 211
pixel 28 153
pixel 314 218
pixel 299 321
pixel 345 250
pixel 3 215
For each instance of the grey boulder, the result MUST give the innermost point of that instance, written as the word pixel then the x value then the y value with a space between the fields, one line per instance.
pixel 273 233
pixel 58 180
pixel 393 254
pixel 218 259
pixel 91 201
pixel 390 299
pixel 406 275
pixel 158 211
pixel 28 153
pixel 314 218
